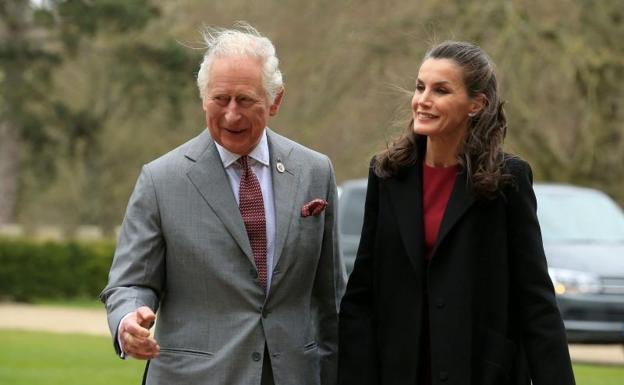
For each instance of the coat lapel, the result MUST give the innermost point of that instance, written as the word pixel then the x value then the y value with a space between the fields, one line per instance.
pixel 210 179
pixel 459 202
pixel 406 197
pixel 285 185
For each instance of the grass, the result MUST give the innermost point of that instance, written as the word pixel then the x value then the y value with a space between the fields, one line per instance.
pixel 84 303
pixel 598 375
pixel 37 358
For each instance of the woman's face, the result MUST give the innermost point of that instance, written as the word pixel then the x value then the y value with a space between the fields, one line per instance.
pixel 441 103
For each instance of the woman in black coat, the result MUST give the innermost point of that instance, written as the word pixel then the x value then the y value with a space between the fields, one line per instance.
pixel 450 284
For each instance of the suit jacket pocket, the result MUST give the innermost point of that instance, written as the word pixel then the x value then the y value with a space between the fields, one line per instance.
pixel 497 358
pixel 188 352
pixel 310 364
pixel 310 346
pixel 181 366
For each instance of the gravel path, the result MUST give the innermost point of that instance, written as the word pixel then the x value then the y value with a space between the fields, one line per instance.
pixel 60 319
pixel 56 319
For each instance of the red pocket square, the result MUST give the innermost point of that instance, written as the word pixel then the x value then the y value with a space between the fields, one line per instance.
pixel 314 207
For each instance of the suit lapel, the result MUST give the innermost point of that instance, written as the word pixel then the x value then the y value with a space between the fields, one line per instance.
pixel 461 199
pixel 285 185
pixel 406 198
pixel 210 179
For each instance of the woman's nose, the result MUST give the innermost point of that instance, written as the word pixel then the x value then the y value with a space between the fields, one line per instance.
pixel 421 99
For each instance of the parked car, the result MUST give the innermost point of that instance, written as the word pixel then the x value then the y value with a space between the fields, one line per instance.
pixel 583 233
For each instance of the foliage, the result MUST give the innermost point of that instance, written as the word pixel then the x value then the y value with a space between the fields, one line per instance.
pixel 123 96
pixel 45 115
pixel 53 270
pixel 35 358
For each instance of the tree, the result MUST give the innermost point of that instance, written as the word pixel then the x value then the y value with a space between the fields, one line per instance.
pixel 34 41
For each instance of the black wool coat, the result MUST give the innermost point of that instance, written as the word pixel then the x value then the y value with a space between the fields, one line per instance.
pixel 493 319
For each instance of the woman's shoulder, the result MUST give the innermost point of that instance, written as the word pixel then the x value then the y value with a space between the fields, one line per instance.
pixel 521 175
pixel 515 165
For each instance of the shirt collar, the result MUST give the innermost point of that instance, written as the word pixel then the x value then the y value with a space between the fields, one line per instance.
pixel 260 153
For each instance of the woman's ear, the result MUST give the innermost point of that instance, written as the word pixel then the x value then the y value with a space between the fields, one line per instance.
pixel 479 103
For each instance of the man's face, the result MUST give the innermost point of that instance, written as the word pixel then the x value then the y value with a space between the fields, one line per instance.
pixel 236 105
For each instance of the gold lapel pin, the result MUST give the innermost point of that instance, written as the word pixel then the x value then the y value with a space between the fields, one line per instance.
pixel 280 166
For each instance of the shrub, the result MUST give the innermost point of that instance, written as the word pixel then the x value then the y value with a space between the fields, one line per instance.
pixel 32 270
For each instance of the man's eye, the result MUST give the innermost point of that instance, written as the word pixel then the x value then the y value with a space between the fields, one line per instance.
pixel 221 99
pixel 245 101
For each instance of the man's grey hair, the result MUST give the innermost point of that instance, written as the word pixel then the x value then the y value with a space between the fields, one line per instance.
pixel 243 40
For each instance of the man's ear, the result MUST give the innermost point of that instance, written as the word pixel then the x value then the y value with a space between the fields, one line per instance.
pixel 274 108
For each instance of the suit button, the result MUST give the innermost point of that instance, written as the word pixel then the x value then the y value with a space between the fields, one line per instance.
pixel 443 376
pixel 253 273
pixel 256 356
pixel 440 303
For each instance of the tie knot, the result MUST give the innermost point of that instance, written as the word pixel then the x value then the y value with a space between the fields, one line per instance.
pixel 244 162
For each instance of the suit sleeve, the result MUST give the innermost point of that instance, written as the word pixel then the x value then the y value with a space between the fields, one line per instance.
pixel 137 274
pixel 329 287
pixel 358 347
pixel 543 333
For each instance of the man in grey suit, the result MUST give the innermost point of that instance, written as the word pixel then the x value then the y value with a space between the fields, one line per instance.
pixel 231 239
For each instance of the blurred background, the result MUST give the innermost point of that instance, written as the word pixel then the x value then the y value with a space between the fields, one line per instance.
pixel 92 89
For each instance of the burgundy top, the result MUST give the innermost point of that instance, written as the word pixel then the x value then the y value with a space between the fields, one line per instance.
pixel 437 186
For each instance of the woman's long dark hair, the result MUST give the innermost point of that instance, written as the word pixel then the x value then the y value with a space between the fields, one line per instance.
pixel 481 153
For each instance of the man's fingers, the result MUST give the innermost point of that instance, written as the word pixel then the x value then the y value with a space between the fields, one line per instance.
pixel 143 353
pixel 135 329
pixel 145 316
pixel 139 345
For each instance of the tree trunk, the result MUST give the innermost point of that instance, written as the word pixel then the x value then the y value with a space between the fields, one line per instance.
pixel 13 15
pixel 9 171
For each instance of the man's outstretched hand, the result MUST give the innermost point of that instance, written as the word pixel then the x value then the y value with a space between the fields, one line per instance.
pixel 134 334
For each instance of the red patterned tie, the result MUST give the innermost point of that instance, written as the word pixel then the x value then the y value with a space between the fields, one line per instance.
pixel 251 207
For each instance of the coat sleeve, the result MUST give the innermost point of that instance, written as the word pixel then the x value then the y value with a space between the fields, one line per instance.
pixel 329 285
pixel 358 348
pixel 543 333
pixel 137 274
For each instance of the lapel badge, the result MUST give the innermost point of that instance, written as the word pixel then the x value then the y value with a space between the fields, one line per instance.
pixel 280 166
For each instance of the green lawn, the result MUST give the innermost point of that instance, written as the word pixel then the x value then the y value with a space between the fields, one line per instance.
pixel 599 375
pixel 34 358
pixel 84 303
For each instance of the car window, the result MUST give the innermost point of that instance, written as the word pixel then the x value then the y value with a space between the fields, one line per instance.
pixel 583 217
pixel 352 209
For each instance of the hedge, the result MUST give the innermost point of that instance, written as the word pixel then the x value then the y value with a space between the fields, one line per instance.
pixel 32 270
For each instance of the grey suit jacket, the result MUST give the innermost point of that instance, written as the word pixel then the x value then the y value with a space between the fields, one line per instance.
pixel 184 252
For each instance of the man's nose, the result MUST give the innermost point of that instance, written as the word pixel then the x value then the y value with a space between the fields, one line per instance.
pixel 231 111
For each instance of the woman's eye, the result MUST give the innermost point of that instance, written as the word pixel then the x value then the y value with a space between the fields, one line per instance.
pixel 420 88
